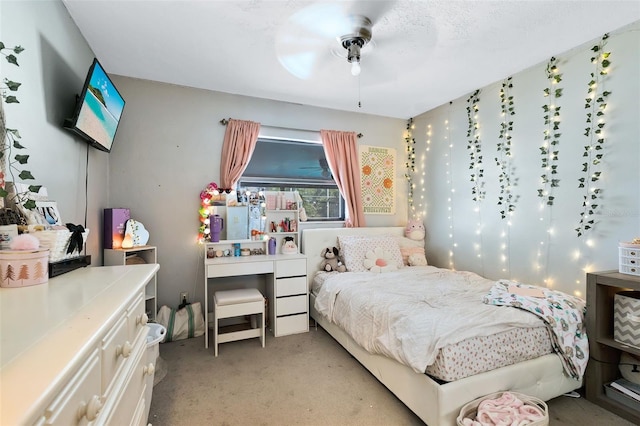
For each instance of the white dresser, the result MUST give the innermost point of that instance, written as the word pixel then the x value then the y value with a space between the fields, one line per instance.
pixel 72 351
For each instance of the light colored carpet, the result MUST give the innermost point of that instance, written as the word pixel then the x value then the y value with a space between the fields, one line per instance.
pixel 303 379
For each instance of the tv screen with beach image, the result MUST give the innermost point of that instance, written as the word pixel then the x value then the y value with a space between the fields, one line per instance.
pixel 101 109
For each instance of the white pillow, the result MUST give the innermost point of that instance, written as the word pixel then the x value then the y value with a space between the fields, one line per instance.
pixel 355 247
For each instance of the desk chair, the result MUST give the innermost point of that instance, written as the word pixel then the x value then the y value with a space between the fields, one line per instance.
pixel 235 303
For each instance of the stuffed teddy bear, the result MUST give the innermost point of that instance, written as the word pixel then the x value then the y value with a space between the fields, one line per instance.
pixel 332 261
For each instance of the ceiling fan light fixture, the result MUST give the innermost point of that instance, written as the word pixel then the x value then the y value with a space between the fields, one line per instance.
pixel 355 41
pixel 355 68
pixel 353 54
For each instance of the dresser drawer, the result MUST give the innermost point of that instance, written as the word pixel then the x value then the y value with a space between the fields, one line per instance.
pixel 124 404
pixel 291 268
pixel 79 402
pixel 115 348
pixel 291 286
pixel 291 305
pixel 292 324
pixel 136 318
pixel 236 269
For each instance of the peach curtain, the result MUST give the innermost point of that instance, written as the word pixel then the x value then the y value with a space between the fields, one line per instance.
pixel 239 142
pixel 341 149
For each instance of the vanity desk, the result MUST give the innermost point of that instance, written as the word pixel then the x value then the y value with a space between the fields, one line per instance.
pixel 286 284
pixel 72 350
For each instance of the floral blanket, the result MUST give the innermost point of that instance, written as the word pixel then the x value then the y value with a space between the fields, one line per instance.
pixel 563 314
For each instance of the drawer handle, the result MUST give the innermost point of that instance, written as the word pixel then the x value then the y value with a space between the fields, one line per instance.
pixel 124 350
pixel 142 319
pixel 90 410
pixel 633 253
pixel 148 370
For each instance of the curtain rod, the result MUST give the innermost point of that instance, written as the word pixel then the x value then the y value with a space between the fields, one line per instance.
pixel 225 121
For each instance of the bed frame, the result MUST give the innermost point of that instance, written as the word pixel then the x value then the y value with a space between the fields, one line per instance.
pixel 436 404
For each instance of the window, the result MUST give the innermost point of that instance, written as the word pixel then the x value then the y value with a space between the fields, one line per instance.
pixel 285 165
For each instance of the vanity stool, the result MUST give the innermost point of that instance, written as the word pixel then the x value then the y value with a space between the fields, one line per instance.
pixel 235 303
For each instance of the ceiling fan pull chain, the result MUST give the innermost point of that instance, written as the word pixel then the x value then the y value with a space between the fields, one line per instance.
pixel 359 104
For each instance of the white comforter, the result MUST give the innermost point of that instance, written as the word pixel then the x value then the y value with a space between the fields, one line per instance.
pixel 411 313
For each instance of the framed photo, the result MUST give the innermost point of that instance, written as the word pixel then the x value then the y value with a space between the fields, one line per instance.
pixel 49 212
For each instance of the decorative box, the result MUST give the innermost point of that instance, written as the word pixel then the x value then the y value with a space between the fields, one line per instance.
pixel 626 318
pixel 22 268
pixel 57 242
pixel 114 225
pixel 629 259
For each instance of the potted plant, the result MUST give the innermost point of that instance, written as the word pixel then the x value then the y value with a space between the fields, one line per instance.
pixel 11 137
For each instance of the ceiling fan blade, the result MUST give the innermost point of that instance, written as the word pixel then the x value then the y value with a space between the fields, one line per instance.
pixel 375 10
pixel 304 44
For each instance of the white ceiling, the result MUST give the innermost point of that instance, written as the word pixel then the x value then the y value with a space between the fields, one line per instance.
pixel 423 53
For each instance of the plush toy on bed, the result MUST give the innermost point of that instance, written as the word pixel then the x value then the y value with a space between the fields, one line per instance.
pixel 332 261
pixel 414 230
pixel 415 255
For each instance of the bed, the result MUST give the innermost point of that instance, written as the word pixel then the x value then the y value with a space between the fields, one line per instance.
pixel 435 401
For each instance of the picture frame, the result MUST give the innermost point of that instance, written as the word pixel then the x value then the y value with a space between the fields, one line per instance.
pixel 48 210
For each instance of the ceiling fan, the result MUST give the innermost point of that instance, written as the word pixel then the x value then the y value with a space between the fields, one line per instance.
pixel 321 42
pixel 327 34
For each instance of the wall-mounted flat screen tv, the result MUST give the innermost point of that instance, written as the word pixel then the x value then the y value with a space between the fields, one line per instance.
pixel 98 110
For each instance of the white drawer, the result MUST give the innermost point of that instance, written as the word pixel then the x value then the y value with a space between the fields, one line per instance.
pixel 291 305
pixel 292 324
pixel 291 286
pixel 235 269
pixel 125 403
pixel 291 268
pixel 136 318
pixel 79 402
pixel 115 348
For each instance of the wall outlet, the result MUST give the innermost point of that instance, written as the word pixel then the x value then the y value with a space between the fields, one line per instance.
pixel 184 296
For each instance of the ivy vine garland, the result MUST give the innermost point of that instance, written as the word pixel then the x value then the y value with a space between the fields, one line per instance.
pixel 474 146
pixel 410 164
pixel 549 150
pixel 506 199
pixel 595 104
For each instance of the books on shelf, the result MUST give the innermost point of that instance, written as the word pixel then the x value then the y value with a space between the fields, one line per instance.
pixel 627 387
pixel 621 397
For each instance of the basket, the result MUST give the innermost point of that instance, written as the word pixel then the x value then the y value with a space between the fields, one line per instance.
pixel 470 409
pixel 57 241
pixel 626 322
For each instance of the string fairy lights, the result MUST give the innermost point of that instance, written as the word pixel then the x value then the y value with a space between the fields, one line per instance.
pixel 595 104
pixel 410 164
pixel 474 147
pixel 506 199
pixel 449 172
pixel 549 152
